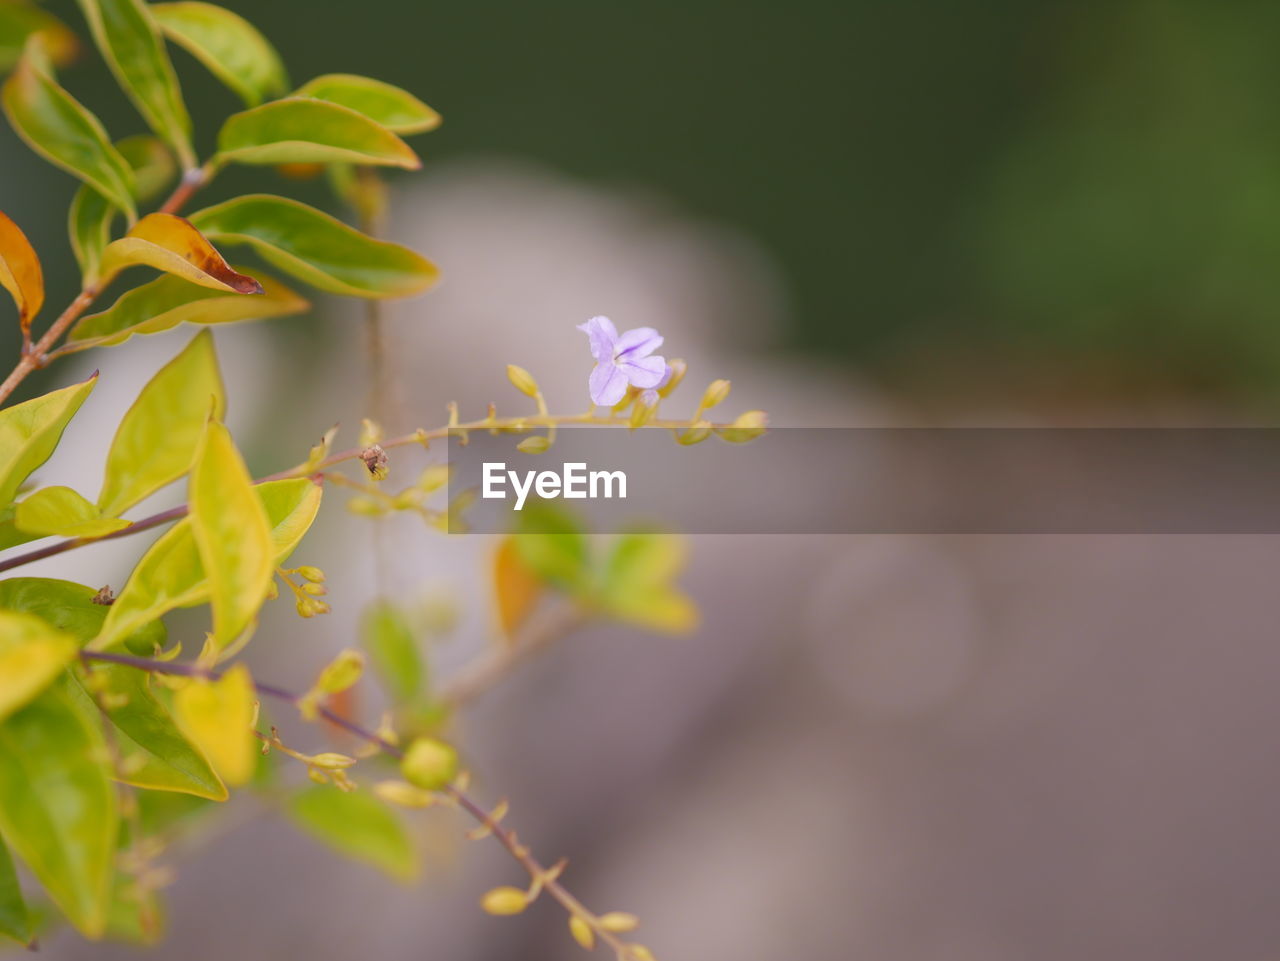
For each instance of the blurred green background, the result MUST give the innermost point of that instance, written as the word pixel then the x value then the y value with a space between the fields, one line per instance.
pixel 1003 200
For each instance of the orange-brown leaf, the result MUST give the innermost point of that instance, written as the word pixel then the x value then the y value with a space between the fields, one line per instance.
pixel 20 272
pixel 517 589
pixel 170 243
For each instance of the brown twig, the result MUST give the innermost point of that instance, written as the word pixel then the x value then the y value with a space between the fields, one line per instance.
pixel 539 873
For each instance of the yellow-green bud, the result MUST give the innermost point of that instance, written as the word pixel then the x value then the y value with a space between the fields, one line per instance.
pixel 313 574
pixel 505 900
pixel 694 435
pixel 522 380
pixel 366 507
pixel 342 672
pixel 315 590
pixel 534 445
pixel 678 369
pixel 582 932
pixel 403 794
pixel 370 433
pixel 430 764
pixel 715 393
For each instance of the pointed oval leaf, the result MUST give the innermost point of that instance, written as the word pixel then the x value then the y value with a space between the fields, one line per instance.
pixel 63 512
pixel 32 655
pixel 168 301
pixel 171 244
pixel 56 126
pixel 59 814
pixel 396 109
pixel 232 534
pixel 19 20
pixel 228 45
pixel 516 589
pixel 91 215
pixel 15 922
pixel 153 752
pixel 639 582
pixel 20 272
pixel 317 248
pixel 303 130
pixel 170 574
pixel 130 42
pixel 394 651
pixel 358 825
pixel 218 717
pixel 30 431
pixel 158 437
pixel 71 607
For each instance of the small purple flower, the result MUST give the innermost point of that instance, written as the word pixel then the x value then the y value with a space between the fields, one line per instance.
pixel 622 360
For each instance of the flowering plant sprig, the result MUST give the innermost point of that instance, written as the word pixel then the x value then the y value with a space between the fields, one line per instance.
pixel 101 710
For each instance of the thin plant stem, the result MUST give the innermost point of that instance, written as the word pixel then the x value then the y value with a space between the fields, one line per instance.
pixel 540 874
pixel 315 470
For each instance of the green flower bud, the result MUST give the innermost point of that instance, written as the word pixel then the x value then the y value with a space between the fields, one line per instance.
pixel 522 380
pixel 430 764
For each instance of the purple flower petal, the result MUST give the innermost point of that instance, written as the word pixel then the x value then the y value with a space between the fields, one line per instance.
pixel 607 384
pixel 644 372
pixel 603 336
pixel 637 343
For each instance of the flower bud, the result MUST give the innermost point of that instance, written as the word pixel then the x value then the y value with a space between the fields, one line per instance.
pixel 522 380
pixel 370 433
pixel 619 922
pixel 331 761
pixel 341 673
pixel 505 900
pixel 315 590
pixel 403 794
pixel 582 932
pixel 534 445
pixel 645 407
pixel 715 393
pixel 694 435
pixel 430 764
pixel 366 507
pixel 678 369
pixel 433 478
pixel 746 428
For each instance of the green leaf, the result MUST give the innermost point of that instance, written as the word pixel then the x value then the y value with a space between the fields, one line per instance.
pixel 154 753
pixel 59 814
pixel 14 921
pixel 91 215
pixel 56 126
pixel 71 608
pixel 19 19
pixel 357 825
pixel 171 244
pixel 158 437
pixel 170 574
pixel 62 511
pixel 228 45
pixel 232 534
pixel 30 431
pixel 553 547
pixel 32 655
pixel 130 41
pixel 638 583
pixel 397 110
pixel 303 130
pixel 393 650
pixel 168 301
pixel 317 248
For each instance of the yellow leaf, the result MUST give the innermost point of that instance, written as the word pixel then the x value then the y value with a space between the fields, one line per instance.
pixel 171 244
pixel 232 535
pixel 516 589
pixel 20 272
pixel 218 717
pixel 64 512
pixel 32 654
